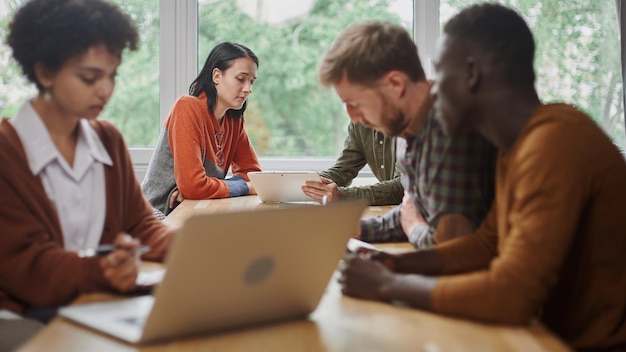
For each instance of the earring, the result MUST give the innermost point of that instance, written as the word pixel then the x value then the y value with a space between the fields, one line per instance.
pixel 46 96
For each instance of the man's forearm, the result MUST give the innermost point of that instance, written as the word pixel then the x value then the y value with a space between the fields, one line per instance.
pixel 424 262
pixel 421 236
pixel 385 228
pixel 381 193
pixel 414 290
pixel 452 226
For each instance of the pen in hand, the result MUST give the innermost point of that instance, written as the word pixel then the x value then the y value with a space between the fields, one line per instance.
pixel 105 249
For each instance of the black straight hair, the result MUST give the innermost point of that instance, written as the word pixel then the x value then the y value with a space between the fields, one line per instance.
pixel 221 57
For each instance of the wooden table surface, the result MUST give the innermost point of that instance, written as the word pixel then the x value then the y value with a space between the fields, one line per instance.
pixel 188 207
pixel 339 323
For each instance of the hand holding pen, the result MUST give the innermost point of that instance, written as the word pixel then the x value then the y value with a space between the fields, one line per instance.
pixel 121 265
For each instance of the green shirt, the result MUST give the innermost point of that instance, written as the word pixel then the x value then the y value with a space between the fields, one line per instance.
pixel 367 146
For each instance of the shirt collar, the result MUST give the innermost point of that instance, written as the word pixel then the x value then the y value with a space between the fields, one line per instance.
pixel 39 147
pixel 96 148
pixel 89 147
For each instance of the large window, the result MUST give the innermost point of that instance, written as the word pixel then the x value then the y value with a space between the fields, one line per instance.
pixel 134 107
pixel 578 55
pixel 290 118
pixel 13 88
pixel 289 114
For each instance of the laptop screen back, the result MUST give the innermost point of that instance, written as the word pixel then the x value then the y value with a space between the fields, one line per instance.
pixel 227 270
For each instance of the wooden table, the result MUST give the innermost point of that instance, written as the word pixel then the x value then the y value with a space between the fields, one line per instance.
pixel 339 323
pixel 188 207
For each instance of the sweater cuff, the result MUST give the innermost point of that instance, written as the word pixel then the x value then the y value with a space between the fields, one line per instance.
pixel 237 186
pixel 92 276
pixel 421 236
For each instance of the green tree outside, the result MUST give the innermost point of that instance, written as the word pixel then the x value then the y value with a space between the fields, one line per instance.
pixel 577 58
pixel 289 114
pixel 293 115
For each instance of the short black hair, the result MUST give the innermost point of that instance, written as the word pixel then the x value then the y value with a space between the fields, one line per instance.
pixel 53 31
pixel 501 33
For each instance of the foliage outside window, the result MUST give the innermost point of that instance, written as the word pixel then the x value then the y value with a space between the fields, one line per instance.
pixel 577 57
pixel 134 107
pixel 14 88
pixel 288 113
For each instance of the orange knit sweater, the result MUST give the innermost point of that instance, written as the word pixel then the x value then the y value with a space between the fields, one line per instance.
pixel 185 155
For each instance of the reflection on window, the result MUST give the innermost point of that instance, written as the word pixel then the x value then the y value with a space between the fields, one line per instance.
pixel 288 113
pixel 578 55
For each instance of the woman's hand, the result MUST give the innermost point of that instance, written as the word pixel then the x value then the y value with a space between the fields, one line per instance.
pixel 251 190
pixel 121 266
pixel 175 197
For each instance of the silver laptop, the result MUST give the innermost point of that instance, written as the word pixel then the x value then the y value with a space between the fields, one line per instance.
pixel 230 270
pixel 282 186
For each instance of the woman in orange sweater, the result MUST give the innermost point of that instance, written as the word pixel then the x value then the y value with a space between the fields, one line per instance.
pixel 204 134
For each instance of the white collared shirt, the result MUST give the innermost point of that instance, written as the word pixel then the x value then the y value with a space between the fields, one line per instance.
pixel 78 192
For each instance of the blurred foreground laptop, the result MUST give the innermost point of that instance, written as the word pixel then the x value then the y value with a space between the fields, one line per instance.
pixel 282 186
pixel 227 270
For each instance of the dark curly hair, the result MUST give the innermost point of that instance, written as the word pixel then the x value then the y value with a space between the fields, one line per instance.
pixel 52 31
pixel 503 34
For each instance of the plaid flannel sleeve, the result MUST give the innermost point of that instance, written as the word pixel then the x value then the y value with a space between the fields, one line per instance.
pixel 384 228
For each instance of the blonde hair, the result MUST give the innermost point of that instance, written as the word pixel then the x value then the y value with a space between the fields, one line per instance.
pixel 366 51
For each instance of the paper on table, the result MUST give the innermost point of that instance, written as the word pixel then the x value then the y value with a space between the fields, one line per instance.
pixel 354 244
pixel 150 278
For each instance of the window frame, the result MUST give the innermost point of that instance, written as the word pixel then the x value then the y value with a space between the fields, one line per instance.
pixel 178 35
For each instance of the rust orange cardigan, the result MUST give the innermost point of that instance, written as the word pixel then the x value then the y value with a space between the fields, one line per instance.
pixel 35 269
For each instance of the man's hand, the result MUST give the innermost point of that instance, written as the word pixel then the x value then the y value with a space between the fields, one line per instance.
pixel 121 266
pixel 385 258
pixel 411 218
pixel 317 190
pixel 364 278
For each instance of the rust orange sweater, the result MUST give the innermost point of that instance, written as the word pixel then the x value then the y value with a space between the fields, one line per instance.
pixel 554 244
pixel 185 155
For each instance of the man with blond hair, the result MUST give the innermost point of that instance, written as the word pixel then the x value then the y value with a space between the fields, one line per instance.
pixel 375 69
pixel 552 246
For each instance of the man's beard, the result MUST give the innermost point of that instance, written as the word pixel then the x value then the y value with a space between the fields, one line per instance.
pixel 394 119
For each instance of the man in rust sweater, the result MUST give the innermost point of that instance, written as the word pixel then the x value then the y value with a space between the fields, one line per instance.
pixel 553 246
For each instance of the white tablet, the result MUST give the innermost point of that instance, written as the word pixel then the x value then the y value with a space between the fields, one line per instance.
pixel 282 186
